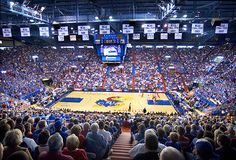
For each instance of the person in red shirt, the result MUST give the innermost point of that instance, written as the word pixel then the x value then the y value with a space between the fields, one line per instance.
pixel 55 144
pixel 72 144
pixel 76 129
pixel 184 141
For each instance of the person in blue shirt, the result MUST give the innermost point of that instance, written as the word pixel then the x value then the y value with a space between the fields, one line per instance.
pixel 96 143
pixel 58 129
pixel 173 142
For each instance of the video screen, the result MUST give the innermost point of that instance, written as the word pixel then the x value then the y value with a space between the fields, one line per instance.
pixel 110 50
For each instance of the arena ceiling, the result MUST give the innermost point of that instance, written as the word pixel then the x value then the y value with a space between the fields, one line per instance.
pixel 75 11
pixel 135 12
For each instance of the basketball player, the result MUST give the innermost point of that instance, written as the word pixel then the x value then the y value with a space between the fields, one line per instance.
pixel 129 107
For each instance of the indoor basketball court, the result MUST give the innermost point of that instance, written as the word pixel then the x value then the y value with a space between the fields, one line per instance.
pixel 116 102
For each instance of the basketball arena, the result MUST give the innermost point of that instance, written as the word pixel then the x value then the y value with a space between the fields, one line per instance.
pixel 117 80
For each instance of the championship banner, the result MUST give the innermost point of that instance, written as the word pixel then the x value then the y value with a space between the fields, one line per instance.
pixel 173 27
pixel 44 31
pixel 63 31
pixel 150 36
pixel 222 29
pixel 83 30
pixel 72 37
pixel 136 36
pixel 6 32
pixel 104 29
pixel 164 35
pixel 178 35
pixel 197 28
pixel 127 29
pixel 25 32
pixel 149 28
pixel 85 37
pixel 61 38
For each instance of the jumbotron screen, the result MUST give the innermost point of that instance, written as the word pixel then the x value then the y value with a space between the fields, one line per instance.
pixel 110 50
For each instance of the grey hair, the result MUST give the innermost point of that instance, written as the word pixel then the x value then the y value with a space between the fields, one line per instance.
pixel 55 142
pixel 170 153
pixel 13 138
pixel 94 127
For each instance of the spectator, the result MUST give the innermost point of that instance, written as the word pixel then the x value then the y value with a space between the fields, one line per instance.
pixel 173 142
pixel 150 144
pixel 76 129
pixel 86 129
pixel 12 142
pixel 72 144
pixel 107 135
pixel 225 151
pixel 170 153
pixel 41 125
pixel 55 144
pixel 204 150
pixel 42 143
pixel 58 129
pixel 96 143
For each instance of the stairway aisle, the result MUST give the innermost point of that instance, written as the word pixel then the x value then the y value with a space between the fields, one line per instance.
pixel 121 147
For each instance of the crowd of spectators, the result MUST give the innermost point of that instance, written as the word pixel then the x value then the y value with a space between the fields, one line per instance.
pixel 144 69
pixel 62 134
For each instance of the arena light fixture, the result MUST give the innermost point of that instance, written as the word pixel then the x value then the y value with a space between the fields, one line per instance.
pixel 42 9
pixel 31 20
pixel 175 16
pixel 110 17
pixel 185 16
pixel 165 25
pixel 11 4
pixel 96 18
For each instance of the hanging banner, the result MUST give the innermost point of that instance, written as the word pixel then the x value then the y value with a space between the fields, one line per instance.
pixel 173 27
pixel 6 32
pixel 104 29
pixel 149 28
pixel 150 36
pixel 72 37
pixel 136 36
pixel 85 37
pixel 222 29
pixel 63 31
pixel 83 30
pixel 127 29
pixel 25 32
pixel 61 38
pixel 44 31
pixel 164 35
pixel 197 28
pixel 178 35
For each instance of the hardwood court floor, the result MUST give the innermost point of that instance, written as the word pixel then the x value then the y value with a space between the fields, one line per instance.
pixel 115 102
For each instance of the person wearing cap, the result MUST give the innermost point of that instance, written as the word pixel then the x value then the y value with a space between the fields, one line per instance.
pixel 204 151
pixel 58 126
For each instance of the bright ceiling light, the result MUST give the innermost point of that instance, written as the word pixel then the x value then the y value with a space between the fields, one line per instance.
pixel 110 17
pixel 165 25
pixel 185 15
pixel 96 18
pixel 11 4
pixel 175 16
pixel 42 9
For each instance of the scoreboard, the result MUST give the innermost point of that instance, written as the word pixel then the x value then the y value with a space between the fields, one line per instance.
pixel 111 48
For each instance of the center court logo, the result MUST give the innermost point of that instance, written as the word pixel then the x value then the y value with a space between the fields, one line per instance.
pixel 114 101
